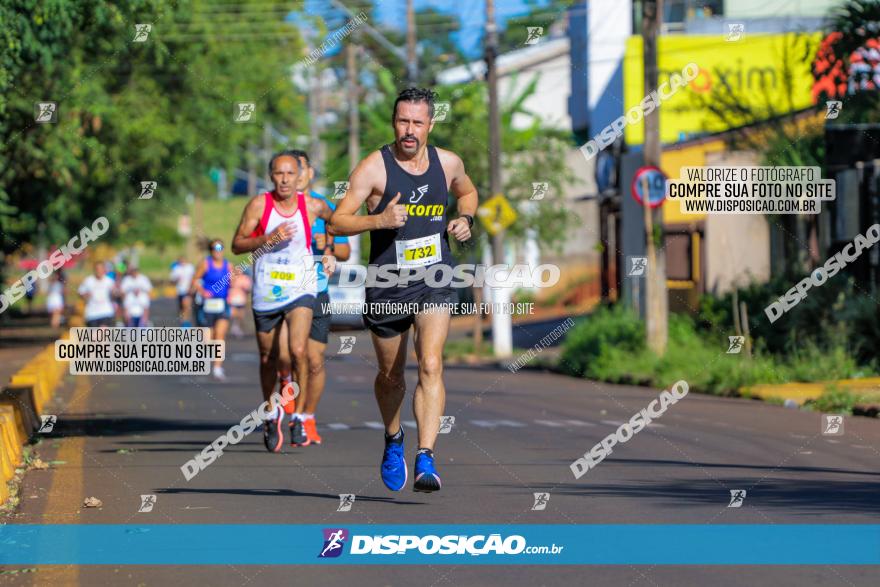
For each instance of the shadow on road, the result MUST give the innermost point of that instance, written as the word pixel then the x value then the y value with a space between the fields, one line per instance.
pixel 106 425
pixel 284 493
pixel 762 493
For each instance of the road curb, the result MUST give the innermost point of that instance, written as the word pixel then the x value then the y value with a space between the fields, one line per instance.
pixel 800 393
pixel 21 404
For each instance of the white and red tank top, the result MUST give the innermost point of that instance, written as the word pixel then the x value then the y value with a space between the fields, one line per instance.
pixel 286 271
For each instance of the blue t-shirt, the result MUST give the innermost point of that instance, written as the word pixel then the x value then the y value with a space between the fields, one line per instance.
pixel 319 228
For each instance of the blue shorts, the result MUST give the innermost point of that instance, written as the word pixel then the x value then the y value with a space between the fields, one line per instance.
pixel 209 319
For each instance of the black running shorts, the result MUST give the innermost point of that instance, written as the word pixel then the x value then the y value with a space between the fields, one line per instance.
pixel 268 320
pixel 385 320
pixel 320 331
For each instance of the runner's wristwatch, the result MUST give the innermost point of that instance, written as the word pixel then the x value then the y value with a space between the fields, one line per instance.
pixel 469 218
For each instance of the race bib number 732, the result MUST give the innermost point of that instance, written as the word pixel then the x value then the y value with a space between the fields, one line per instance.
pixel 418 252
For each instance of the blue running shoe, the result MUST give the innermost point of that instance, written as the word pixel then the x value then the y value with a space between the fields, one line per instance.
pixel 427 479
pixel 393 467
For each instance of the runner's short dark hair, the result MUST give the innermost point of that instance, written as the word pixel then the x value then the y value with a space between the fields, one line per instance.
pixel 295 153
pixel 302 155
pixel 415 95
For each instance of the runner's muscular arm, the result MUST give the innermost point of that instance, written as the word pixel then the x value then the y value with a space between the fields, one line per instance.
pixel 243 242
pixel 365 178
pixel 465 194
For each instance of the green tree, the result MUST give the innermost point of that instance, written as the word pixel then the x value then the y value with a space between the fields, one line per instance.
pixel 159 110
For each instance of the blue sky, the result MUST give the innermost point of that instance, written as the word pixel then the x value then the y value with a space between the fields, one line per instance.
pixel 471 13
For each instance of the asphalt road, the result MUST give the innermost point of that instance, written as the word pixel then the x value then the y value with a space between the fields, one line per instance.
pixel 515 434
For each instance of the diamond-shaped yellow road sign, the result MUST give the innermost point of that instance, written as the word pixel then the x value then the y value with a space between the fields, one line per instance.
pixel 496 214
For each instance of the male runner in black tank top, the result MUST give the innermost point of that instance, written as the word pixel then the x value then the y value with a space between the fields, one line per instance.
pixel 406 187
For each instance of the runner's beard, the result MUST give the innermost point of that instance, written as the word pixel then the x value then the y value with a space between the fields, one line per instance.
pixel 408 150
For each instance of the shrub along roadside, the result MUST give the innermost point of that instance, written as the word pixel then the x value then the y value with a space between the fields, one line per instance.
pixel 610 346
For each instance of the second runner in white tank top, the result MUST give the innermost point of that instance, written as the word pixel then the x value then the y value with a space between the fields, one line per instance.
pixel 287 271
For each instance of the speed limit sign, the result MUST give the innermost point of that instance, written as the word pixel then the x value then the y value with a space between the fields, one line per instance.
pixel 656 183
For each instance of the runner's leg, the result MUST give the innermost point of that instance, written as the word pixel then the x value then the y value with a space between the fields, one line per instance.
pixel 219 333
pixel 317 378
pixel 317 375
pixel 298 321
pixel 390 386
pixel 269 345
pixel 429 400
pixel 285 375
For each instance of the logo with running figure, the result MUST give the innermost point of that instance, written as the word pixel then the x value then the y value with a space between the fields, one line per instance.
pixel 737 497
pixel 541 500
pixel 334 542
pixel 533 34
pixel 736 344
pixel 47 424
pixel 148 188
pixel 346 345
pixel 147 503
pixel 339 189
pixel 832 424
pixel 832 109
pixel 244 112
pixel 346 500
pixel 539 190
pixel 735 31
pixel 447 423
pixel 45 112
pixel 142 32
pixel 441 111
pixel 637 266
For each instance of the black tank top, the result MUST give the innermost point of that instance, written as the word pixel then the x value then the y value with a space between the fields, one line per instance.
pixel 422 241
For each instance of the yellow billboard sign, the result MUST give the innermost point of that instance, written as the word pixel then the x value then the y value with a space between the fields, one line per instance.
pixel 744 81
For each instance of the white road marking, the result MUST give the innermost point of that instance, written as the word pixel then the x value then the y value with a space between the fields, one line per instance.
pixel 578 423
pixel 497 423
pixel 337 426
pixel 550 423
pixel 375 425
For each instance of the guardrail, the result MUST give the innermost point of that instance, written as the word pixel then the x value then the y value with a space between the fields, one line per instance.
pixel 22 404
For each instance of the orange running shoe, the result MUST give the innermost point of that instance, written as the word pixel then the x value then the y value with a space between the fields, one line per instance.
pixel 311 428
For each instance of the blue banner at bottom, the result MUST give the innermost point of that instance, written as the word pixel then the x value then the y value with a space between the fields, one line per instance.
pixel 486 544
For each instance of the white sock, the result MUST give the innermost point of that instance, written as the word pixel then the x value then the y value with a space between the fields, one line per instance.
pixel 274 414
pixel 308 417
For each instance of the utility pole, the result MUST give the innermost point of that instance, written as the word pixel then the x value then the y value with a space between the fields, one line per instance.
pixel 252 173
pixel 354 120
pixel 412 62
pixel 320 150
pixel 502 337
pixel 354 128
pixel 266 152
pixel 657 299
